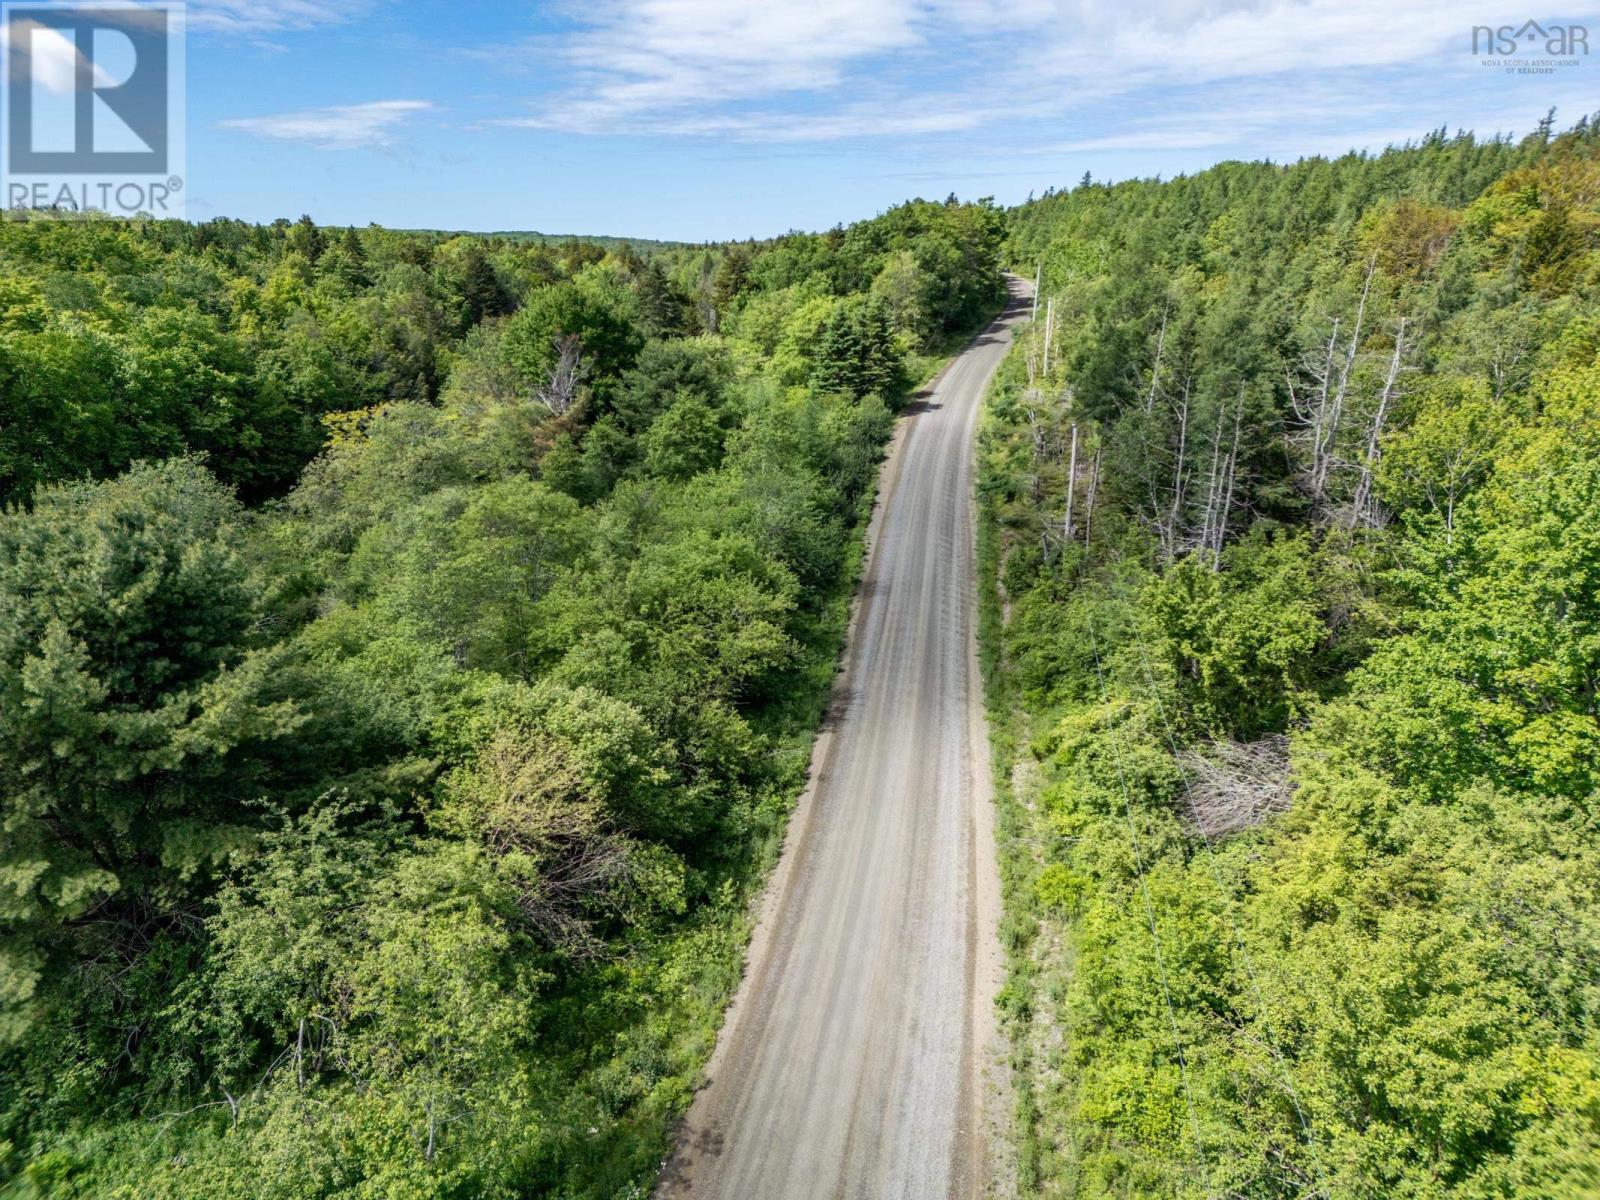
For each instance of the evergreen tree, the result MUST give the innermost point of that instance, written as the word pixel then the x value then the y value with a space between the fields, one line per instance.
pixel 664 309
pixel 133 715
pixel 731 281
pixel 482 293
pixel 858 355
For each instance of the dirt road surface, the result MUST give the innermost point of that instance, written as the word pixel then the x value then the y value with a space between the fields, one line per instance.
pixel 855 1061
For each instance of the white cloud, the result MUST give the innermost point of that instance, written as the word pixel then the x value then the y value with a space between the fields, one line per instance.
pixel 1149 139
pixel 343 127
pixel 252 17
pixel 817 70
pixel 647 58
pixel 1101 47
pixel 768 126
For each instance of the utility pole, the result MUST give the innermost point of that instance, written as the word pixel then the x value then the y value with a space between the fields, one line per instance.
pixel 1072 482
pixel 1094 482
pixel 1038 278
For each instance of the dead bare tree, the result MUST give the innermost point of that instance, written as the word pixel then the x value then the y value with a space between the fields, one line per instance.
pixel 1094 486
pixel 1235 785
pixel 1316 413
pixel 1155 369
pixel 1321 411
pixel 1049 330
pixel 527 801
pixel 566 375
pixel 1168 530
pixel 1219 483
pixel 1364 507
pixel 1213 478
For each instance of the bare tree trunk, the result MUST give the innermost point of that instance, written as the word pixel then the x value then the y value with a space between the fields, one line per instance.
pixel 1094 486
pixel 1155 370
pixel 1227 498
pixel 1360 505
pixel 1169 534
pixel 1049 329
pixel 1336 414
pixel 1321 429
pixel 1213 480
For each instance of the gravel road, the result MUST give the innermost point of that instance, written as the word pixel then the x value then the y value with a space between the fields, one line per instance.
pixel 856 1060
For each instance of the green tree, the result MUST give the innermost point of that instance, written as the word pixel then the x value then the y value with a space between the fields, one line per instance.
pixel 482 292
pixel 684 441
pixel 903 287
pixel 666 371
pixel 664 309
pixel 134 716
pixel 607 337
pixel 732 280
pixel 471 567
pixel 857 355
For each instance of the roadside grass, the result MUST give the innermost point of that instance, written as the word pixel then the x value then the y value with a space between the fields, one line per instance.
pixel 1038 949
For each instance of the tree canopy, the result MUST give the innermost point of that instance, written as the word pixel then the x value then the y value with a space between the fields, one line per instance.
pixel 1292 524
pixel 410 645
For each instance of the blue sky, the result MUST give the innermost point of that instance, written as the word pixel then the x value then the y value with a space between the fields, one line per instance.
pixel 696 119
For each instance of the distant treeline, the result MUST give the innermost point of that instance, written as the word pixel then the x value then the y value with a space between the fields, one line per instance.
pixel 643 245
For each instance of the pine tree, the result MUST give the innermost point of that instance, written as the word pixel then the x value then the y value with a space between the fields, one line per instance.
pixel 482 292
pixel 858 355
pixel 133 718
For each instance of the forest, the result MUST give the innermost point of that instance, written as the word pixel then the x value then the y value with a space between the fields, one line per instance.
pixel 410 647
pixel 1291 527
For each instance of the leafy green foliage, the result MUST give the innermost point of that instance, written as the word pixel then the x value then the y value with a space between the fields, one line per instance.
pixel 138 725
pixel 1338 423
pixel 386 770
